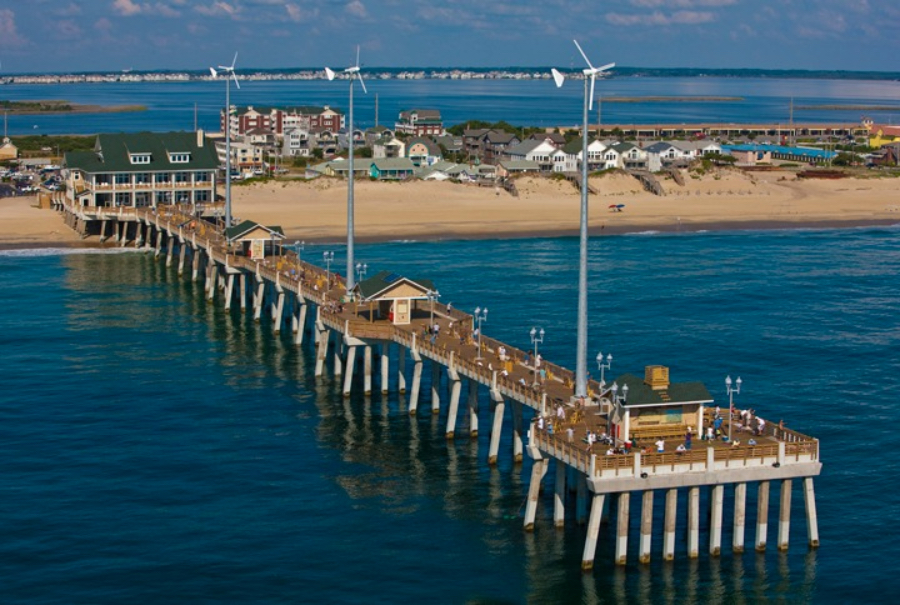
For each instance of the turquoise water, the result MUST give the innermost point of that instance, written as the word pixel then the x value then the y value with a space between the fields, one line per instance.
pixel 159 449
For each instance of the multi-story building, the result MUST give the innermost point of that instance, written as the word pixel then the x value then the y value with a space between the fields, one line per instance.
pixel 420 122
pixel 309 118
pixel 143 169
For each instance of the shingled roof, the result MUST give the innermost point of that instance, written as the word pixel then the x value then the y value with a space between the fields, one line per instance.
pixel 370 288
pixel 641 394
pixel 112 153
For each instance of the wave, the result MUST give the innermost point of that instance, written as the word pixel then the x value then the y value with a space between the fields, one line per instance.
pixel 39 252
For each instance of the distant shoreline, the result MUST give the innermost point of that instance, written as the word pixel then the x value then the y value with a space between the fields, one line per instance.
pixel 36 108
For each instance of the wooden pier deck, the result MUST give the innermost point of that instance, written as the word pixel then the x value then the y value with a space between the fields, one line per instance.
pixel 559 422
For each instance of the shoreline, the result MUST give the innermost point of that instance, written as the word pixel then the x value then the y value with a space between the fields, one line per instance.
pixel 712 228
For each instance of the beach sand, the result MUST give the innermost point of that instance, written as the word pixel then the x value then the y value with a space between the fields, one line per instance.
pixel 416 210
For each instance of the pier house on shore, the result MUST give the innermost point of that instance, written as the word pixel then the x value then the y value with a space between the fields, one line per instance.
pixel 596 478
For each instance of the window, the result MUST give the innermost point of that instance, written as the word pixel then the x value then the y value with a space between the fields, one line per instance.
pixel 123 199
pixel 179 158
pixel 163 177
pixel 182 177
pixel 141 178
pixel 201 177
pixel 182 197
pixel 140 158
pixel 201 196
pixel 123 179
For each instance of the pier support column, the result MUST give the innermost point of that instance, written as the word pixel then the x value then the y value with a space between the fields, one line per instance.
pixel 559 496
pixel 278 314
pixel 229 290
pixel 517 444
pixel 812 521
pixel 622 528
pixel 435 387
pixel 300 331
pixel 103 232
pixel 170 251
pixel 259 298
pixel 472 403
pixel 784 515
pixel 385 367
pixel 338 351
pixel 646 527
pixel 348 375
pixel 321 350
pixel 453 408
pixel 182 257
pixel 416 382
pixel 716 501
pixel 580 499
pixel 195 264
pixel 740 517
pixel 499 406
pixel 211 282
pixel 401 369
pixel 762 515
pixel 367 371
pixel 593 530
pixel 693 525
pixel 159 238
pixel 669 524
pixel 534 490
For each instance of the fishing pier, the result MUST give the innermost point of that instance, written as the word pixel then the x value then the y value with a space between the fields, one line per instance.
pixel 602 450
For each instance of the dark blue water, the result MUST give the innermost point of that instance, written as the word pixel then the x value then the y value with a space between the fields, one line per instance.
pixel 170 106
pixel 159 449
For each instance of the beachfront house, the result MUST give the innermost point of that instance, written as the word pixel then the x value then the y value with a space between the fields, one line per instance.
pixel 441 170
pixel 8 151
pixel 422 151
pixel 376 132
pixel 496 142
pixel 596 155
pixel 388 147
pixel 393 296
pixel 662 155
pixel 631 157
pixel 539 151
pixel 654 408
pixel 391 169
pixel 507 168
pixel 420 122
pixel 143 169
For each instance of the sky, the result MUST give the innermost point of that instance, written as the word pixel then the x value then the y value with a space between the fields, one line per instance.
pixel 51 36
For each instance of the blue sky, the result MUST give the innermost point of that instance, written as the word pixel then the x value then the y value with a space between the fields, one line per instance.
pixel 88 35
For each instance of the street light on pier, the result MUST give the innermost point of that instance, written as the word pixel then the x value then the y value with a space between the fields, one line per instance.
pixel 480 316
pixel 228 72
pixel 299 247
pixel 328 257
pixel 433 295
pixel 536 339
pixel 361 269
pixel 590 74
pixel 732 391
pixel 603 366
pixel 615 391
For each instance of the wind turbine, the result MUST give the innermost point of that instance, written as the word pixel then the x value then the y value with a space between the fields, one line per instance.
pixel 353 73
pixel 228 72
pixel 590 73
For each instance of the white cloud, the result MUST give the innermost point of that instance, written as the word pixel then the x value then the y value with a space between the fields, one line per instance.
pixel 660 18
pixel 9 34
pixel 357 9
pixel 130 8
pixel 682 3
pixel 299 15
pixel 126 8
pixel 218 9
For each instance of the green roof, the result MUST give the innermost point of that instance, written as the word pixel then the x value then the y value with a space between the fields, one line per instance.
pixel 640 393
pixel 245 227
pixel 393 164
pixel 112 153
pixel 383 280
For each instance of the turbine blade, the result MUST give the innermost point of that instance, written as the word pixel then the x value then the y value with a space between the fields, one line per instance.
pixel 558 77
pixel 357 55
pixel 591 100
pixel 213 72
pixel 586 60
pixel 606 67
pixel 234 61
pixel 361 83
pixel 236 83
pixel 329 73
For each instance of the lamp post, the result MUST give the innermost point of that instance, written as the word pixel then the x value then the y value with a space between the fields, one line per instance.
pixel 328 257
pixel 228 72
pixel 361 269
pixel 732 391
pixel 603 366
pixel 299 247
pixel 480 316
pixel 537 337
pixel 433 295
pixel 615 391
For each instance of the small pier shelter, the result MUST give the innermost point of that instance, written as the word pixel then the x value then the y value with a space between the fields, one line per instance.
pixel 255 240
pixel 391 295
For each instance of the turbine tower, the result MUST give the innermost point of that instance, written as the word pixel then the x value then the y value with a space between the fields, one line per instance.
pixel 353 73
pixel 590 73
pixel 228 72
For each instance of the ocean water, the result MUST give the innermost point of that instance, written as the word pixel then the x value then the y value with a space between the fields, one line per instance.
pixel 159 449
pixel 170 105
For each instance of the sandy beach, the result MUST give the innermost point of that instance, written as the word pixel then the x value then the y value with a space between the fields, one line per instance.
pixel 727 199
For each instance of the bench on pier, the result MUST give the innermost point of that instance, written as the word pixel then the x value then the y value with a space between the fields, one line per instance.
pixel 646 435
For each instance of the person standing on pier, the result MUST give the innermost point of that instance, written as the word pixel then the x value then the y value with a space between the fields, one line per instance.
pixel 688 437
